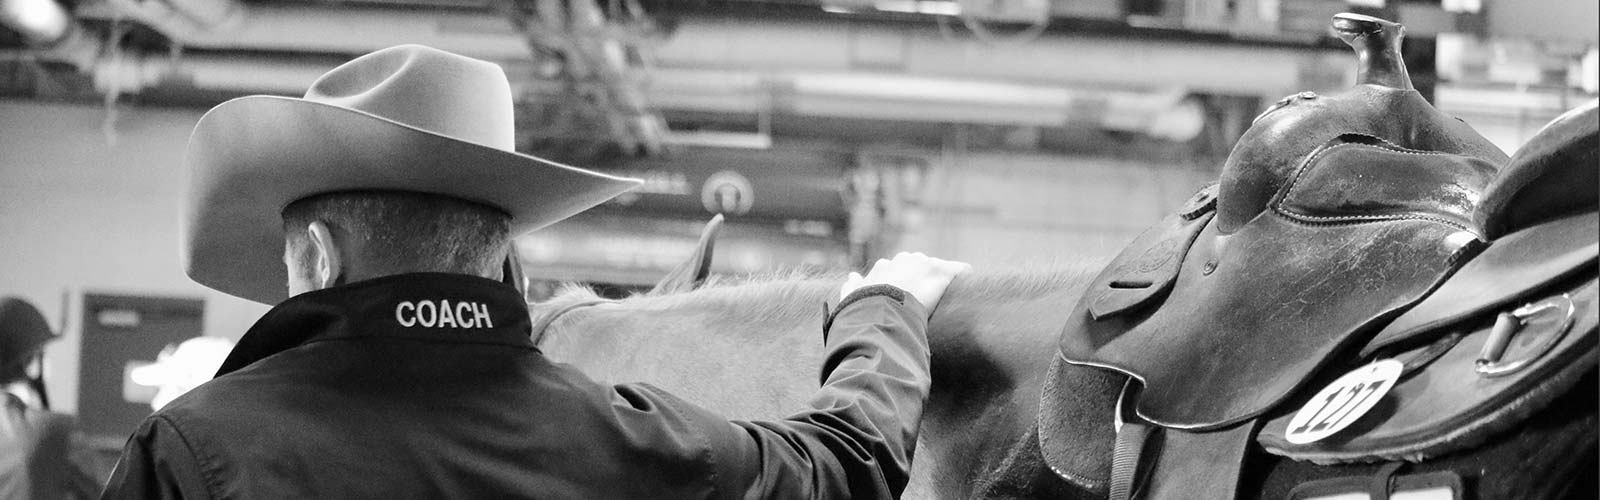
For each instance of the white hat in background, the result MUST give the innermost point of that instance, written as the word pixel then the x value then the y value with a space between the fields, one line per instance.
pixel 181 368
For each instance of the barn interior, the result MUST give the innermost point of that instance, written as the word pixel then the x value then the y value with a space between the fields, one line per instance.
pixel 829 133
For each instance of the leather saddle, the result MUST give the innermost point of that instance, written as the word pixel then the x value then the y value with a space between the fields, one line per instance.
pixel 1344 230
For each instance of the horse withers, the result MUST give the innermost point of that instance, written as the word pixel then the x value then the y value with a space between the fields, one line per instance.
pixel 1372 301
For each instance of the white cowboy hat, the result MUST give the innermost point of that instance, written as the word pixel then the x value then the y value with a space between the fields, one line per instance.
pixel 406 118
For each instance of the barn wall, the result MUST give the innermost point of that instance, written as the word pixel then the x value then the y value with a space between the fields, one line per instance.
pixel 79 214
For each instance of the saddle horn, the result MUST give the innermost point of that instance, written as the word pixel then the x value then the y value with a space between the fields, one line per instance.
pixel 1377 45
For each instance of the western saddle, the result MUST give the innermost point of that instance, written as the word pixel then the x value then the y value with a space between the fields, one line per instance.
pixel 1364 233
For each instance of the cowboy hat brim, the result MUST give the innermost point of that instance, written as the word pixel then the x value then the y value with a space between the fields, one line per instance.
pixel 250 157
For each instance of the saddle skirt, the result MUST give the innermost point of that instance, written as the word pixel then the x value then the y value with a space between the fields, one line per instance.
pixel 1362 230
pixel 1334 220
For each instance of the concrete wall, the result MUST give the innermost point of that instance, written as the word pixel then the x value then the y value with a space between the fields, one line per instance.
pixel 79 213
pixel 1016 209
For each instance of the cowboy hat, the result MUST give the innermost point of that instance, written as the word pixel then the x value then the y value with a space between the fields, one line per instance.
pixel 406 118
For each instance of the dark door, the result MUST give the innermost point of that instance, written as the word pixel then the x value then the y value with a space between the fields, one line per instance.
pixel 120 332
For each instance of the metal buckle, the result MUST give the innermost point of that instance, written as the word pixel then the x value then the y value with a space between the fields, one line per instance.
pixel 1509 325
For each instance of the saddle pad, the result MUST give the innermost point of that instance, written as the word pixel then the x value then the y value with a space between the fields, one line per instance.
pixel 1447 406
pixel 1510 268
pixel 1076 428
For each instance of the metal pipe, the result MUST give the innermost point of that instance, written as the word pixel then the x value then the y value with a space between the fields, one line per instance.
pixel 805 45
pixel 840 95
pixel 181 20
pixel 354 30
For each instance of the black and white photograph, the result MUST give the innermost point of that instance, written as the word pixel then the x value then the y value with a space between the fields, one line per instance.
pixel 800 249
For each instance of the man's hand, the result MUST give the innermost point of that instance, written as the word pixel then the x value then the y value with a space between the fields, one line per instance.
pixel 923 276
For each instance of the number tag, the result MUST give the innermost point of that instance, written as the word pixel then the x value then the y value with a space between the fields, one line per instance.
pixel 1343 402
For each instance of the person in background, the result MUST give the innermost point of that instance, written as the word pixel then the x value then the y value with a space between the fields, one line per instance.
pixel 42 454
pixel 396 363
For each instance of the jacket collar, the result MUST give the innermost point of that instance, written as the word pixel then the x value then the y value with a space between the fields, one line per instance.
pixel 436 307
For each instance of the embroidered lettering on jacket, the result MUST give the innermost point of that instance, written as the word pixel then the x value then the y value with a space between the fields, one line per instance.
pixel 442 314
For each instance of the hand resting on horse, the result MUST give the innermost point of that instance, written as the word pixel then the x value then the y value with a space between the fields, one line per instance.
pixel 922 276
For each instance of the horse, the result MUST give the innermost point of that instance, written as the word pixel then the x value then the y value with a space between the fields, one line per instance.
pixel 1188 366
pixel 750 349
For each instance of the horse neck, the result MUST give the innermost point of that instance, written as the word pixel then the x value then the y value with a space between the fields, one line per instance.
pixel 752 350
pixel 1032 297
pixel 745 351
pixel 1020 301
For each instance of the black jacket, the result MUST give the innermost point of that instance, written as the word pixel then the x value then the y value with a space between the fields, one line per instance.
pixel 372 390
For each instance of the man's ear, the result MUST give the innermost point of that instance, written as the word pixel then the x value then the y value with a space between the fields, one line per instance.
pixel 327 265
pixel 511 271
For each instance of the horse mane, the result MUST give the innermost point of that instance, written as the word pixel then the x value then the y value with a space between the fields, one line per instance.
pixel 1023 281
pixel 799 295
pixel 777 296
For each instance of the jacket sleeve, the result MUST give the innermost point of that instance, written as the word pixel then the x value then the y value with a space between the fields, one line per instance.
pixel 157 463
pixel 856 439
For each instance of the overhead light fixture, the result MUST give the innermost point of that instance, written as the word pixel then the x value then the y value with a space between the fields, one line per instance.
pixel 935 7
pixel 1463 6
pixel 41 22
pixel 930 7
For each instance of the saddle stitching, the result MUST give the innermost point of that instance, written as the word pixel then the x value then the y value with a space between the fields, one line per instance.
pixel 1352 219
pixel 1336 143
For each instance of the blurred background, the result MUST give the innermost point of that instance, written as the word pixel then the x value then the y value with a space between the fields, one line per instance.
pixel 1004 133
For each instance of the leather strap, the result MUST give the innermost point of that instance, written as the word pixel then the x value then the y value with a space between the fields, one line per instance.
pixel 1383 480
pixel 1200 465
pixel 1125 458
pixel 1146 269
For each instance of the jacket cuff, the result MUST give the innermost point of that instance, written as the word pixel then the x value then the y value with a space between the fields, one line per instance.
pixel 890 291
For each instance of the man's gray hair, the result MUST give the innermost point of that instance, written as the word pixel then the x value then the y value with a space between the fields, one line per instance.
pixel 397 232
